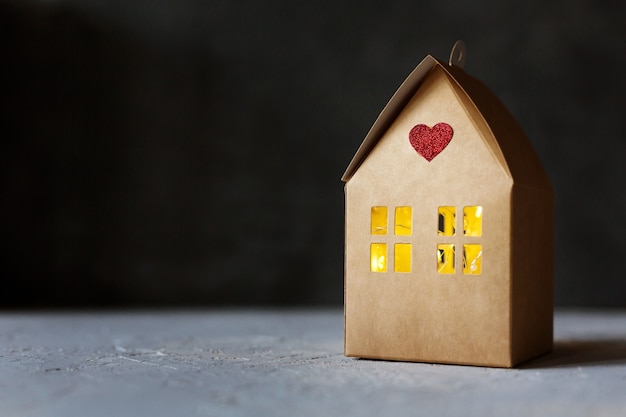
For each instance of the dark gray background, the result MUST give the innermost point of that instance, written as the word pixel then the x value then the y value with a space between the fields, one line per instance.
pixel 189 152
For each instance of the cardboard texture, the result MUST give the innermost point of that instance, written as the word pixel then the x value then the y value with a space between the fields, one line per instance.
pixel 409 293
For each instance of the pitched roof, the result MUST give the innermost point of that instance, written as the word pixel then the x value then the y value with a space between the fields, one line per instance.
pixel 509 144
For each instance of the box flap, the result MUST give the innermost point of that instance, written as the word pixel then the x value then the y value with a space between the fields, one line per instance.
pixel 390 112
pixel 515 150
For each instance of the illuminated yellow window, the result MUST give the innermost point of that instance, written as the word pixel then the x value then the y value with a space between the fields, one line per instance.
pixel 445 258
pixel 379 220
pixel 402 257
pixel 404 221
pixel 447 220
pixel 473 221
pixel 378 257
pixel 472 259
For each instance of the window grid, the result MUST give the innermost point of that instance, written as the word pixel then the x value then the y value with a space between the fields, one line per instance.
pixel 402 251
pixel 472 253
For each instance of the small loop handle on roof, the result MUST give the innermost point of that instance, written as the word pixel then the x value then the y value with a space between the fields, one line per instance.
pixel 458 54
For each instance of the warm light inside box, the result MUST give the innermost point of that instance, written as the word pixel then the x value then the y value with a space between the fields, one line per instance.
pixel 402 257
pixel 447 220
pixel 378 257
pixel 472 259
pixel 379 220
pixel 403 221
pixel 445 258
pixel 473 221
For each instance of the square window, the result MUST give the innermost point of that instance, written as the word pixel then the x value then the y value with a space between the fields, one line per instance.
pixel 378 257
pixel 473 221
pixel 402 257
pixel 447 220
pixel 445 258
pixel 404 221
pixel 472 259
pixel 379 220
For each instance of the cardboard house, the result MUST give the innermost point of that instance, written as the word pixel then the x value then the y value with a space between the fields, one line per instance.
pixel 449 229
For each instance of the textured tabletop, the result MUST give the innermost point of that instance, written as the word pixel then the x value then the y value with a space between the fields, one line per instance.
pixel 285 363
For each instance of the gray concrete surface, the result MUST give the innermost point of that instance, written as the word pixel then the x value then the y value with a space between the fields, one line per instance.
pixel 285 363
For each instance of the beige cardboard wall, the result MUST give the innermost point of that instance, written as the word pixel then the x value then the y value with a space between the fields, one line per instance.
pixel 532 288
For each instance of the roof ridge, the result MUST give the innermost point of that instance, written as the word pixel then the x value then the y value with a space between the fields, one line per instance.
pixel 510 145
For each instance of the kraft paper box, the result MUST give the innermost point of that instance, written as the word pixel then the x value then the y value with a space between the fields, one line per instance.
pixel 449 229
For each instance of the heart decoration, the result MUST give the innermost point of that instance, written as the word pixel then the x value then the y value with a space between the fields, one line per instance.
pixel 430 142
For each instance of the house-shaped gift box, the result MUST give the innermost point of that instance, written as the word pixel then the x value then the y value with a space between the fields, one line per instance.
pixel 449 229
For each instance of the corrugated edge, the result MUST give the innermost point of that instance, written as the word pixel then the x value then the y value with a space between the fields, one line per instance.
pixel 389 113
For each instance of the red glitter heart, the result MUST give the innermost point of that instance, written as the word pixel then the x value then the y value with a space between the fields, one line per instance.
pixel 430 142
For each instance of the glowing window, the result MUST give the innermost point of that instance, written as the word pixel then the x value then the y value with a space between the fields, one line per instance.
pixel 403 221
pixel 402 257
pixel 472 259
pixel 445 258
pixel 378 257
pixel 472 253
pixel 379 220
pixel 447 220
pixel 402 226
pixel 473 221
